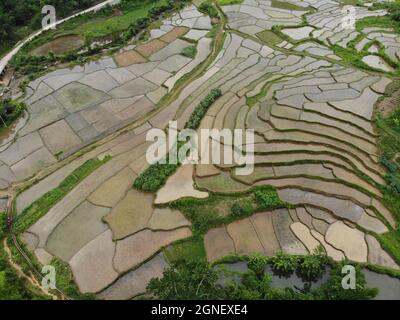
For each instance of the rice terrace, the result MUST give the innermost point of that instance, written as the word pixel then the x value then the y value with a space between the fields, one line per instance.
pixel 84 214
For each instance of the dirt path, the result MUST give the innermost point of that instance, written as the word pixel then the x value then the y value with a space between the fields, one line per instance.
pixel 32 280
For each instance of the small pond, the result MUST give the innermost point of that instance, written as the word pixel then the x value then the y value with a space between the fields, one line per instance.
pixel 389 287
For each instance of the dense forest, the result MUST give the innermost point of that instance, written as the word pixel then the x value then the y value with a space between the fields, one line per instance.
pixel 19 17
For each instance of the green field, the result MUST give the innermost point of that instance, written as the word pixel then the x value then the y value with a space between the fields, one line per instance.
pixel 101 27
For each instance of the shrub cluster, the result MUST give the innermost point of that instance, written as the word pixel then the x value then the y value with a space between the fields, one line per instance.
pixel 209 9
pixel 284 263
pixel 199 280
pixel 267 198
pixel 394 10
pixel 242 208
pixel 10 110
pixel 200 111
pixel 154 177
pixel 310 267
pixel 189 52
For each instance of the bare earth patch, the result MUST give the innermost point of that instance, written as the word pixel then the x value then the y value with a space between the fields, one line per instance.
pixel 218 243
pixel 128 58
pixel 135 282
pixel 245 237
pixel 167 219
pixel 84 223
pixel 150 47
pixel 388 104
pixel 303 233
pixel 135 249
pixel 59 45
pixel 349 240
pixel 179 185
pixel 174 34
pixel 113 190
pixel 262 223
pixel 92 266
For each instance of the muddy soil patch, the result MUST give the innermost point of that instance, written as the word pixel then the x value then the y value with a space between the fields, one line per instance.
pixel 59 45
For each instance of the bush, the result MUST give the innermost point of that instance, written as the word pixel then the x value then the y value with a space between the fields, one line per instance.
pixel 154 177
pixel 242 208
pixel 186 280
pixel 200 111
pixel 209 9
pixel 199 211
pixel 3 224
pixel 284 263
pixel 135 27
pixel 312 266
pixel 10 110
pixel 65 281
pixel 257 263
pixel 267 198
pixel 189 52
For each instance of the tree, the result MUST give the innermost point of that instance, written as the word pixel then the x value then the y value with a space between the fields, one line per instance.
pixel 187 280
pixel 284 263
pixel 257 263
pixel 312 266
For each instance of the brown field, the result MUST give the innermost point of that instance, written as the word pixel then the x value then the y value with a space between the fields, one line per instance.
pixel 128 57
pixel 174 34
pixel 151 47
pixel 59 45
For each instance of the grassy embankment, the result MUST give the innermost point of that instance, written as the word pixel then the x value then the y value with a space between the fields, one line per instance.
pixel 42 205
pixel 389 142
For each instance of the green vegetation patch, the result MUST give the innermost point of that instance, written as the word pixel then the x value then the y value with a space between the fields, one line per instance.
pixel 42 205
pixel 65 281
pixel 154 177
pixel 390 241
pixel 287 6
pixel 223 209
pixel 12 287
pixel 209 9
pixel 189 52
pixel 190 249
pixel 269 37
pixel 186 280
pixel 389 143
pixel 131 11
pixel 229 2
pixel 350 2
pixel 10 110
pixel 3 224
pixel 201 109
pixel 19 18
pixel 198 281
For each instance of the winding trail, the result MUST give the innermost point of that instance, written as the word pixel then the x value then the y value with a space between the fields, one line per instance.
pixel 32 279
